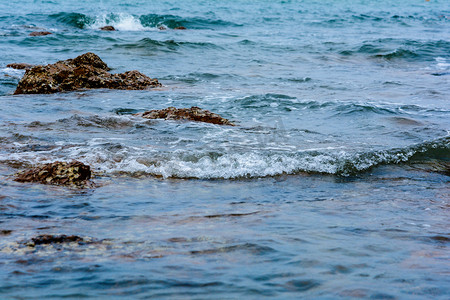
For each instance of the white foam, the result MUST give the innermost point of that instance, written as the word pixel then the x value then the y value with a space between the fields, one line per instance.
pixel 442 63
pixel 120 21
pixel 210 165
pixel 12 72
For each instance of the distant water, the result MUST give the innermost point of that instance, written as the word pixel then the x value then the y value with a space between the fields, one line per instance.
pixel 334 183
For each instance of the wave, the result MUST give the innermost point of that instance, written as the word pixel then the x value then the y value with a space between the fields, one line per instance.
pixel 379 20
pixel 172 21
pixel 196 77
pixel 272 101
pixel 77 20
pixel 116 158
pixel 129 22
pixel 167 45
pixel 394 49
pixel 399 53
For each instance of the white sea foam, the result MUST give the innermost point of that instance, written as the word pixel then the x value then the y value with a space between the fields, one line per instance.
pixel 12 72
pixel 442 63
pixel 209 165
pixel 113 156
pixel 120 21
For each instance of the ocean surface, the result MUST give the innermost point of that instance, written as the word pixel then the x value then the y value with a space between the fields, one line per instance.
pixel 333 185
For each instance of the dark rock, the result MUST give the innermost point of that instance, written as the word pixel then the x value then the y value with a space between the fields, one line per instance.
pixel 48 239
pixel 19 66
pixel 5 232
pixel 192 114
pixel 108 28
pixel 180 28
pixel 59 173
pixel 40 33
pixel 86 71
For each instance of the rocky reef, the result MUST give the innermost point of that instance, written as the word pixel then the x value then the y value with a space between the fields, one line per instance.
pixel 191 114
pixel 74 173
pixel 86 71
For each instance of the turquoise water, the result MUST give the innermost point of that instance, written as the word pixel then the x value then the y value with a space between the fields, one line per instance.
pixel 333 185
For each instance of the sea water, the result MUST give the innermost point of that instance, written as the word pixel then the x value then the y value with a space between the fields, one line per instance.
pixel 333 184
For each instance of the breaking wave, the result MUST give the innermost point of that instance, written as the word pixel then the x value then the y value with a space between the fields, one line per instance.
pixel 116 158
pixel 129 22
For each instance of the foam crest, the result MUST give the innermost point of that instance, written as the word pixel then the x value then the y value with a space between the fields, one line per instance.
pixel 112 157
pixel 254 164
pixel 120 21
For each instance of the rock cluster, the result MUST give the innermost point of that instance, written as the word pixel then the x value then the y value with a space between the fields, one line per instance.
pixel 58 173
pixel 86 71
pixel 192 114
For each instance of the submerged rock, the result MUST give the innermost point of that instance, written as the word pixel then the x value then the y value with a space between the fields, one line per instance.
pixel 59 173
pixel 40 33
pixel 86 71
pixel 108 28
pixel 48 239
pixel 192 114
pixel 435 166
pixel 19 66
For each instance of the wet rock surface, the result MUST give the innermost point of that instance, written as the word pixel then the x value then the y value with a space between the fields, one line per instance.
pixel 86 71
pixel 19 66
pixel 190 114
pixel 40 33
pixel 108 28
pixel 48 239
pixel 59 173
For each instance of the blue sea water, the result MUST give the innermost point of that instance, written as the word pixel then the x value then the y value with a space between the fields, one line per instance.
pixel 334 184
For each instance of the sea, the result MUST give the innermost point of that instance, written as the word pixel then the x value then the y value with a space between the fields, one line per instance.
pixel 334 183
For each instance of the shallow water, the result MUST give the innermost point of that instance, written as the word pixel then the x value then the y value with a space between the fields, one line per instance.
pixel 333 185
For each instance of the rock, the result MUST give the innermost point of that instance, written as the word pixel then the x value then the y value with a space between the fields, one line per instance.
pixel 59 173
pixel 192 114
pixel 108 28
pixel 180 28
pixel 86 71
pixel 47 239
pixel 40 33
pixel 19 66
pixel 435 166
